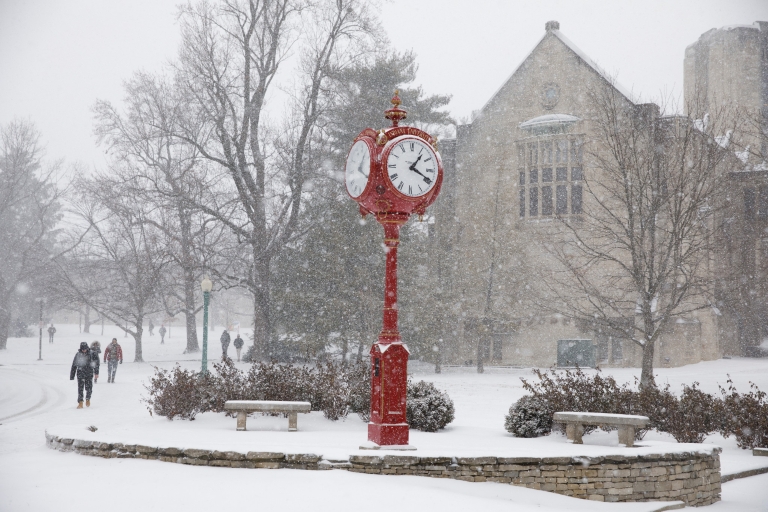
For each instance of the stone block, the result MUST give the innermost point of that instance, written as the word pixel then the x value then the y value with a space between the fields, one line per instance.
pixel 146 450
pixel 435 461
pixel 220 463
pixel 264 456
pixel 194 453
pixel 476 461
pixel 193 461
pixel 302 458
pixel 366 460
pixel 400 460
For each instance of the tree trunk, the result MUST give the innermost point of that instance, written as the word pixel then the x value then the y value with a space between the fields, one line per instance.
pixel 189 313
pixel 139 358
pixel 261 321
pixel 5 321
pixel 87 319
pixel 646 374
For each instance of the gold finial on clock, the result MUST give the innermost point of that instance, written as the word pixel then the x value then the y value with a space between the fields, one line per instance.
pixel 395 114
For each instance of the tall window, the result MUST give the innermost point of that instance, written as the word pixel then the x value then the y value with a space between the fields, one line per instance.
pixel 551 169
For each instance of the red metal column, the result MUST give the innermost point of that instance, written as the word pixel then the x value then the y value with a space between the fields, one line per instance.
pixel 389 357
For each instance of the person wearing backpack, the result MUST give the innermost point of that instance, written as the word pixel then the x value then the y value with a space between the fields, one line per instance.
pixel 112 355
pixel 85 367
pixel 238 346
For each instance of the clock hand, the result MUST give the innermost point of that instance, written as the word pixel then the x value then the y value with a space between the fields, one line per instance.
pixel 360 169
pixel 413 165
pixel 426 180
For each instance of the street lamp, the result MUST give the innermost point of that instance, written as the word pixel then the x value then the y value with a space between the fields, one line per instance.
pixel 206 286
pixel 40 345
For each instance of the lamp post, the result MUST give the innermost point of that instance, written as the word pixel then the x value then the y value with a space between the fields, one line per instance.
pixel 206 286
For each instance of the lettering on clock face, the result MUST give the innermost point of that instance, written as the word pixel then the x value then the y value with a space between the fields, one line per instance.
pixel 412 167
pixel 358 168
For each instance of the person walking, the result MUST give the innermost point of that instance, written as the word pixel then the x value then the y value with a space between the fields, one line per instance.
pixel 51 332
pixel 224 344
pixel 162 334
pixel 112 354
pixel 151 327
pixel 85 367
pixel 96 350
pixel 238 346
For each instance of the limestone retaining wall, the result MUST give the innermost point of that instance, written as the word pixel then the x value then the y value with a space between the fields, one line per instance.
pixel 692 477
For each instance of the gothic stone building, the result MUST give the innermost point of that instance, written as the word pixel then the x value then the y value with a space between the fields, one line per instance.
pixel 518 165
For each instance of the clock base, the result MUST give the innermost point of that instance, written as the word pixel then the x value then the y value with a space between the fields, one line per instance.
pixel 388 434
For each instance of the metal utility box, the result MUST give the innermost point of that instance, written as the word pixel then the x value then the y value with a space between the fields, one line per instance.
pixel 576 352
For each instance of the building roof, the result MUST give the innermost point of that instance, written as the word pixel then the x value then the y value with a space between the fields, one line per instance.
pixel 553 27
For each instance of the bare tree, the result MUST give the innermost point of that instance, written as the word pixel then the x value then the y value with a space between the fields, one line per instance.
pixel 641 252
pixel 29 212
pixel 230 57
pixel 118 267
pixel 167 175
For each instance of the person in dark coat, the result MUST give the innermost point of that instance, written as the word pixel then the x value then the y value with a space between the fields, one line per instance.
pixel 112 354
pixel 151 327
pixel 85 366
pixel 96 350
pixel 162 334
pixel 51 332
pixel 238 346
pixel 224 343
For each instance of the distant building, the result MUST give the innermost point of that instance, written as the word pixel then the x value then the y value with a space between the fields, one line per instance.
pixel 521 163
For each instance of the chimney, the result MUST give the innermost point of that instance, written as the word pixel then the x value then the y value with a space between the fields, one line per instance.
pixel 552 25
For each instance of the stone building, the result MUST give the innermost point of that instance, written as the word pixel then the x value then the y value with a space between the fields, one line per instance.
pixel 519 165
pixel 730 66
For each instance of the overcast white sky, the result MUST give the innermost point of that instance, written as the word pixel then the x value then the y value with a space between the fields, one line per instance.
pixel 58 56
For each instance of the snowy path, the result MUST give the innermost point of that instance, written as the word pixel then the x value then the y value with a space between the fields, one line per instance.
pixel 36 395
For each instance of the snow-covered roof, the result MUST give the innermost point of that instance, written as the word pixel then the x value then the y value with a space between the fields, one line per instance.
pixel 549 123
pixel 575 49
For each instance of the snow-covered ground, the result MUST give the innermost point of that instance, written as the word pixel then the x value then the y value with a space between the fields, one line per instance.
pixel 37 395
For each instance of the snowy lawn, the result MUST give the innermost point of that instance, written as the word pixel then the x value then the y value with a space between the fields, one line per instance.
pixel 37 395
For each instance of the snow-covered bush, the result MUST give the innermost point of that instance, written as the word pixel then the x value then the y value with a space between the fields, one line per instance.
pixel 360 390
pixel 427 408
pixel 531 416
pixel 176 393
pixel 745 416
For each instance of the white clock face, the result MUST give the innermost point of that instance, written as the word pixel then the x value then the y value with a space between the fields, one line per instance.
pixel 358 168
pixel 412 167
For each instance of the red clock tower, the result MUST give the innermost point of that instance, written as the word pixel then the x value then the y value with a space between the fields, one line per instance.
pixel 392 174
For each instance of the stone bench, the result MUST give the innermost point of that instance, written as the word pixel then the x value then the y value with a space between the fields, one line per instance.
pixel 574 424
pixel 243 407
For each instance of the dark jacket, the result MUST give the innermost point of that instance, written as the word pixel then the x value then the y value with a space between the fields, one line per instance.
pixel 225 338
pixel 238 342
pixel 51 330
pixel 85 364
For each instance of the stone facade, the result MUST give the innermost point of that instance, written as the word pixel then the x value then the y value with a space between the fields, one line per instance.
pixel 520 164
pixel 691 477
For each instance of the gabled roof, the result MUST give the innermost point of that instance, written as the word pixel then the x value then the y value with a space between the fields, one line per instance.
pixel 577 51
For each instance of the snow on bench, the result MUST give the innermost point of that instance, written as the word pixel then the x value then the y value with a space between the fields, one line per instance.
pixel 575 421
pixel 243 407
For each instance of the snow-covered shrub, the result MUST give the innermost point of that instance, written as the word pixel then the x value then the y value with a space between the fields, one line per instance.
pixel 745 416
pixel 360 390
pixel 531 416
pixel 689 419
pixel 427 408
pixel 176 393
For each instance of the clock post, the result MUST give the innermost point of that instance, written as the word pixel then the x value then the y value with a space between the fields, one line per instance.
pixel 404 177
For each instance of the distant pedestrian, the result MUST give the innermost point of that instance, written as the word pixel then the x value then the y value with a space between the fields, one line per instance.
pixel 51 332
pixel 238 346
pixel 85 366
pixel 96 350
pixel 151 327
pixel 224 343
pixel 112 354
pixel 162 334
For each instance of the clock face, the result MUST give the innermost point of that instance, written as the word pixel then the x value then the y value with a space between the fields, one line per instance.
pixel 358 168
pixel 412 166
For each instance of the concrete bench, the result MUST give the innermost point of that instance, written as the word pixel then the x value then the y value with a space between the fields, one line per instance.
pixel 243 407
pixel 574 424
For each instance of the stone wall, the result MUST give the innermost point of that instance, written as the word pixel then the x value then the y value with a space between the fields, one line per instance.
pixel 690 477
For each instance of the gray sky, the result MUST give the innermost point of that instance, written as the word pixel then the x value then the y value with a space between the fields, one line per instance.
pixel 58 57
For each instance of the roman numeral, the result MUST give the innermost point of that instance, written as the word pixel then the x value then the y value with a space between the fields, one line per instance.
pixel 430 170
pixel 392 166
pixel 421 150
pixel 412 147
pixel 400 186
pixel 393 177
pixel 402 148
pixel 420 190
pixel 410 190
pixel 394 155
pixel 428 159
